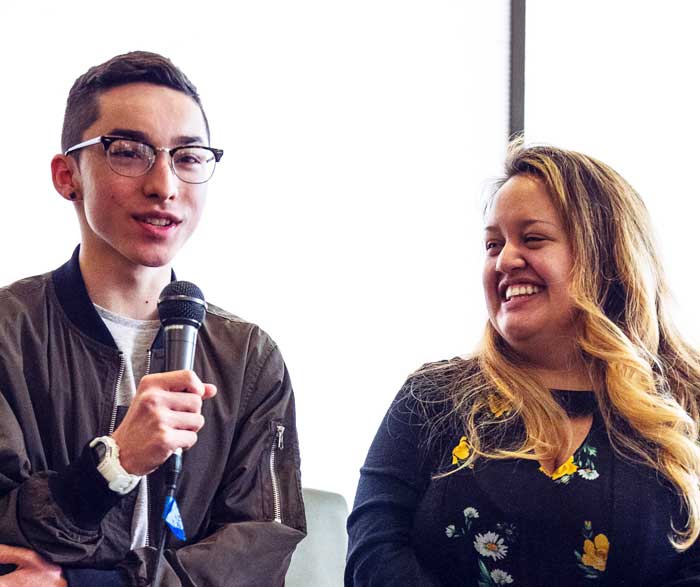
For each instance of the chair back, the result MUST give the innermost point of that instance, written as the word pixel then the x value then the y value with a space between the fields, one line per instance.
pixel 319 559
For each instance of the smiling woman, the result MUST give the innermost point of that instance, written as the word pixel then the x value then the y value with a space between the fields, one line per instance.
pixel 533 461
pixel 527 273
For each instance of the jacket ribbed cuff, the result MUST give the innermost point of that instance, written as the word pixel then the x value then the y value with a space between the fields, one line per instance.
pixel 82 492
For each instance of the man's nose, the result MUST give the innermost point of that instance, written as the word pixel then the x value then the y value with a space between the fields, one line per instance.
pixel 161 181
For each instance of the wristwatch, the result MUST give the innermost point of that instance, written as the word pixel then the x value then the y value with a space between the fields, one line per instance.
pixel 106 453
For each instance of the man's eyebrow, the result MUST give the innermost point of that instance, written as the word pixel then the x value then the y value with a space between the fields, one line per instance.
pixel 187 140
pixel 128 133
pixel 137 135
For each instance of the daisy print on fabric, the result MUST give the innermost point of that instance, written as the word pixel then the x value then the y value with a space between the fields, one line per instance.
pixel 495 577
pixel 581 464
pixel 508 531
pixel 586 464
pixel 453 531
pixel 490 544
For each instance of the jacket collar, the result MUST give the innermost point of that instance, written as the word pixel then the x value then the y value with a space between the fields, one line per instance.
pixel 73 297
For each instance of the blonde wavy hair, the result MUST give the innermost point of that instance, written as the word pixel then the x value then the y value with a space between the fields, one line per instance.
pixel 645 376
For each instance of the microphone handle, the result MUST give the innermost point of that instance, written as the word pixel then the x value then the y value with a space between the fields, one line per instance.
pixel 180 345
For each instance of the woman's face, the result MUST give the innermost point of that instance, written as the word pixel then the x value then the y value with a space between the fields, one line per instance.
pixel 527 271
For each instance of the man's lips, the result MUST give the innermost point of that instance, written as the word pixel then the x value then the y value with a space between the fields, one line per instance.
pixel 157 220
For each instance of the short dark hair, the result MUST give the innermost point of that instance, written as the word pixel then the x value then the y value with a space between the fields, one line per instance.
pixel 82 106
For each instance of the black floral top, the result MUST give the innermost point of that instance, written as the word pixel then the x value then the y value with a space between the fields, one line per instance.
pixel 596 520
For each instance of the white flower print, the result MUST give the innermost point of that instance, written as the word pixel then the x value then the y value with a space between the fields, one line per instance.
pixel 589 474
pixel 490 544
pixel 470 513
pixel 501 577
pixel 450 530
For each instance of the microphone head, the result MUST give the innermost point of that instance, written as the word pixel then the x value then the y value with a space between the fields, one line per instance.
pixel 181 302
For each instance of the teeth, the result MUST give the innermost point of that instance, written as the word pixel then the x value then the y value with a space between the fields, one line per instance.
pixel 521 290
pixel 158 221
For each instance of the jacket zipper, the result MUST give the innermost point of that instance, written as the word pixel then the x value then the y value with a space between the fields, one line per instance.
pixel 149 497
pixel 113 421
pixel 277 444
pixel 120 376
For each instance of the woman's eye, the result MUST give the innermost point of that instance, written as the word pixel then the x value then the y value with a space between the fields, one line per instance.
pixel 533 239
pixel 491 245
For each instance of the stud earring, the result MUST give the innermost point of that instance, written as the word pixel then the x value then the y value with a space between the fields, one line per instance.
pixel 73 196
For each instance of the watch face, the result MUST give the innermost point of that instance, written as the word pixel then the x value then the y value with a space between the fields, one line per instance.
pixel 99 450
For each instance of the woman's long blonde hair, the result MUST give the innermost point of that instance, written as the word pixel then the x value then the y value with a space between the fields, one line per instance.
pixel 645 376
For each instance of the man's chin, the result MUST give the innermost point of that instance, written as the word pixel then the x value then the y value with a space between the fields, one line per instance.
pixel 156 263
pixel 158 254
pixel 153 259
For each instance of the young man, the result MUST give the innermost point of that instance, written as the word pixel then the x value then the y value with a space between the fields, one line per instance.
pixel 86 415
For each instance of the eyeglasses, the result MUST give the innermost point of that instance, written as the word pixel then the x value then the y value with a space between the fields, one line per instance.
pixel 130 158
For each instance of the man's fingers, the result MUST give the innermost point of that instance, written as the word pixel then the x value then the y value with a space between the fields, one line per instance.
pixel 164 415
pixel 184 439
pixel 15 555
pixel 185 421
pixel 178 401
pixel 184 381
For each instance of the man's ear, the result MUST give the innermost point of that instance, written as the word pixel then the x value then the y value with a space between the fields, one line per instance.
pixel 66 177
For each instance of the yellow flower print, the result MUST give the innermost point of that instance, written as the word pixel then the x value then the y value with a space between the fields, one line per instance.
pixel 567 468
pixel 498 405
pixel 461 451
pixel 595 552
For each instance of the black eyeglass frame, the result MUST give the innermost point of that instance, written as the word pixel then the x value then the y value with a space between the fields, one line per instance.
pixel 107 140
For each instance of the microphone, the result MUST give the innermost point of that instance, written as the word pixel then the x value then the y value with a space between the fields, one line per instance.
pixel 181 308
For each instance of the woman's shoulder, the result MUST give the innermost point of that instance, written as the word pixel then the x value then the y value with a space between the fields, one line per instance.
pixel 430 393
pixel 443 377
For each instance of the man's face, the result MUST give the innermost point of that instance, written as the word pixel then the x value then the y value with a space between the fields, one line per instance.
pixel 143 221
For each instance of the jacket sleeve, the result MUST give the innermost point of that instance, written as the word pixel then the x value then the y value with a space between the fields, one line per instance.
pixel 257 518
pixel 56 513
pixel 393 480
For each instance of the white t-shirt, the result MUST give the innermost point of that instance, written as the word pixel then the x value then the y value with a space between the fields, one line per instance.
pixel 134 339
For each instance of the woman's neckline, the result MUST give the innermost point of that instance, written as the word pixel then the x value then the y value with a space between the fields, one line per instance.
pixel 576 403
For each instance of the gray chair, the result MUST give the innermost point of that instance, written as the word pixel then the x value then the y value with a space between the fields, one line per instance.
pixel 319 560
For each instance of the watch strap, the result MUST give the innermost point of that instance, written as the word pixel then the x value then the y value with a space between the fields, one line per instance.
pixel 109 466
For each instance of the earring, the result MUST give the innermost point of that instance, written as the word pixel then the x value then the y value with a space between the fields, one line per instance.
pixel 73 195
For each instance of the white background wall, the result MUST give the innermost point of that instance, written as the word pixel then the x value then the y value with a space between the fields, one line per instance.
pixel 345 215
pixel 619 80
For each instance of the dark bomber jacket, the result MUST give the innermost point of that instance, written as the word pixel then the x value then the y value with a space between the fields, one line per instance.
pixel 240 490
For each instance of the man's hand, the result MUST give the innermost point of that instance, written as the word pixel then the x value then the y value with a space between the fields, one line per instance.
pixel 32 569
pixel 164 415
